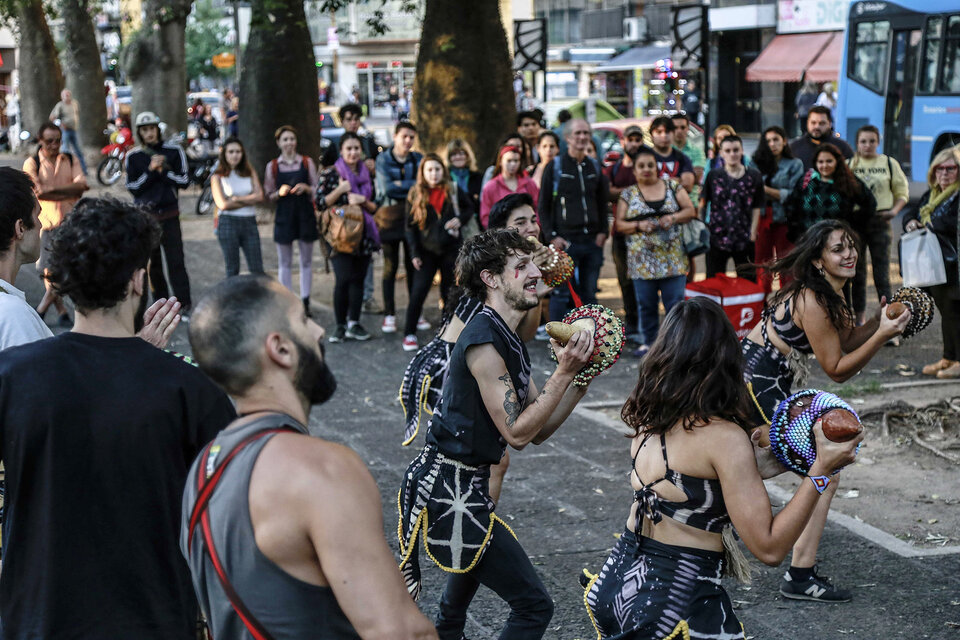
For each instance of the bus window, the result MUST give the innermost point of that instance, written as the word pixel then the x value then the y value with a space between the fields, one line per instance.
pixel 931 55
pixel 950 80
pixel 870 54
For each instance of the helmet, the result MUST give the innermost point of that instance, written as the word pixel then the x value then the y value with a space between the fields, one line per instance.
pixel 146 118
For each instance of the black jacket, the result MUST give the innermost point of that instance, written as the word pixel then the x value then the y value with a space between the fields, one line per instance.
pixel 944 223
pixel 434 238
pixel 156 191
pixel 806 149
pixel 579 208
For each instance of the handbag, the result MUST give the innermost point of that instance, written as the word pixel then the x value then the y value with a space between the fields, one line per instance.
pixel 921 259
pixel 696 237
pixel 342 227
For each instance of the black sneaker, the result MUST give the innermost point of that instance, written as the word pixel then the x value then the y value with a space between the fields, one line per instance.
pixel 357 332
pixel 816 588
pixel 339 334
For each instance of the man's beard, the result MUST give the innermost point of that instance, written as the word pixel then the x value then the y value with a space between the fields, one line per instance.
pixel 313 380
pixel 138 314
pixel 518 301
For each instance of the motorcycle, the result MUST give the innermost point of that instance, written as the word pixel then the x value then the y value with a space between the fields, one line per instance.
pixel 199 171
pixel 111 167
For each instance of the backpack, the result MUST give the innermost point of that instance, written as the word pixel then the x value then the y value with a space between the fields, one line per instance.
pixel 36 159
pixel 342 227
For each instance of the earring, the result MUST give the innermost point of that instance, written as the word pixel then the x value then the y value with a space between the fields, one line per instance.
pixel 823 273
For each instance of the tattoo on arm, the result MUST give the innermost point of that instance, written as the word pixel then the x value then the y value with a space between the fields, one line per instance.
pixel 511 404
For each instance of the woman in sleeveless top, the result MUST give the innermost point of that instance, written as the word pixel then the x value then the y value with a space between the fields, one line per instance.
pixel 291 182
pixel 694 473
pixel 809 316
pixel 650 214
pixel 236 189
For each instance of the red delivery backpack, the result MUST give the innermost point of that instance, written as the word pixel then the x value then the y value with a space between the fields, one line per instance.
pixel 741 299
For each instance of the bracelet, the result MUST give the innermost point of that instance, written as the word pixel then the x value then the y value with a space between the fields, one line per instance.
pixel 820 483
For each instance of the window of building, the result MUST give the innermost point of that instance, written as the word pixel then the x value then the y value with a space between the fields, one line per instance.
pixel 950 78
pixel 931 55
pixel 871 50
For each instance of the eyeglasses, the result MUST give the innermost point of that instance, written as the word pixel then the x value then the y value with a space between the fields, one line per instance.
pixel 948 169
pixel 50 141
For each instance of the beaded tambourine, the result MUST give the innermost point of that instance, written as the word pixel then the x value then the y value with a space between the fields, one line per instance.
pixel 558 267
pixel 608 338
pixel 921 309
pixel 791 430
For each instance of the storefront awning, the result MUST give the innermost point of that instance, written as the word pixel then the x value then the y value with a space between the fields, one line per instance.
pixel 826 68
pixel 787 57
pixel 637 58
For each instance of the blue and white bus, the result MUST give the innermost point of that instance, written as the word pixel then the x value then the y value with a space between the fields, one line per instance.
pixel 901 73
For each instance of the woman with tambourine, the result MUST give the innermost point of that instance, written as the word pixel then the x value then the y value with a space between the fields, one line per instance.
pixel 810 316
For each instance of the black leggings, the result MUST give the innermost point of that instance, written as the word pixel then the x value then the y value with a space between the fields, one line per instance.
pixel 948 304
pixel 717 262
pixel 423 280
pixel 391 264
pixel 350 270
pixel 506 569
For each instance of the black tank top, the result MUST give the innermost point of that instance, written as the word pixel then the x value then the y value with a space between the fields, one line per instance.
pixel 288 608
pixel 461 428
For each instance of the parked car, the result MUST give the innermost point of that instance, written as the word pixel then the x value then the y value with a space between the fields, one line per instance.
pixel 609 136
pixel 330 128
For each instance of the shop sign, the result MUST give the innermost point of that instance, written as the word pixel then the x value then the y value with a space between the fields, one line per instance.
pixel 799 16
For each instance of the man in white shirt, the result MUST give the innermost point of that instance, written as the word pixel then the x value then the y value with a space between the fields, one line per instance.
pixel 19 244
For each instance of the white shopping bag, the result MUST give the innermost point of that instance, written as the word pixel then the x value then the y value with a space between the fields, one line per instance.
pixel 921 261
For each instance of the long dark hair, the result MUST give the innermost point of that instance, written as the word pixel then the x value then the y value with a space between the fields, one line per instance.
pixel 692 374
pixel 763 157
pixel 243 169
pixel 843 179
pixel 798 265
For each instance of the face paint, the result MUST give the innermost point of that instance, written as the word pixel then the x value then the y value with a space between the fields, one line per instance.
pixel 516 273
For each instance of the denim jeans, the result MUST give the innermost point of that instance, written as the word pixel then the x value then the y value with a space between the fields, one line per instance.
pixel 649 293
pixel 72 143
pixel 587 260
pixel 506 569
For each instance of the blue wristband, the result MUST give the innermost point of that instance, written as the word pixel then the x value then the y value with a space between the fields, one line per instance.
pixel 820 483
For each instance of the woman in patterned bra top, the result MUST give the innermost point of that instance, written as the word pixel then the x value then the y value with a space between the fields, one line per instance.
pixel 808 315
pixel 694 472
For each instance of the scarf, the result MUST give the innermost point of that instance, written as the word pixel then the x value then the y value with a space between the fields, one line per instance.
pixel 438 197
pixel 462 177
pixel 937 197
pixel 359 182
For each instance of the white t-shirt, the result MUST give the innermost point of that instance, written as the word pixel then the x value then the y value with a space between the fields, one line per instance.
pixel 19 322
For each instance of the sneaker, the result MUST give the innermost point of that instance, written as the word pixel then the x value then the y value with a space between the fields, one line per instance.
pixel 389 324
pixel 541 333
pixel 372 306
pixel 936 367
pixel 950 373
pixel 641 351
pixel 65 320
pixel 357 332
pixel 410 343
pixel 423 325
pixel 339 335
pixel 817 588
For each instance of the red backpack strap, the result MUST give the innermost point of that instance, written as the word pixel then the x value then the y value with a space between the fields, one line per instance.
pixel 206 484
pixel 275 170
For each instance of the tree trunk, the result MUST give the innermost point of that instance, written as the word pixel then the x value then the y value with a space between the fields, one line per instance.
pixel 39 70
pixel 155 63
pixel 463 88
pixel 85 75
pixel 278 81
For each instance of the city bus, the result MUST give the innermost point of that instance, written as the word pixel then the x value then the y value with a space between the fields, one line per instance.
pixel 901 73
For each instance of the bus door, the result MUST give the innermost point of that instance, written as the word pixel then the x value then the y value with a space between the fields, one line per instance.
pixel 901 87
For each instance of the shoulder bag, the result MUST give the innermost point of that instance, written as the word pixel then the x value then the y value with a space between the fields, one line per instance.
pixel 342 227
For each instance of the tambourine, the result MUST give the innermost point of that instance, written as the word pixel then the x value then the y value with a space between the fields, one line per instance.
pixel 558 267
pixel 608 338
pixel 791 430
pixel 920 304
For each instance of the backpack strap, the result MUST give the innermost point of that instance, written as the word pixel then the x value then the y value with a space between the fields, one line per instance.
pixel 275 170
pixel 207 480
pixel 557 170
pixel 890 173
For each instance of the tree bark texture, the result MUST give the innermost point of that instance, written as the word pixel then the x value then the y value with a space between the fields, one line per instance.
pixel 155 63
pixel 40 77
pixel 84 73
pixel 463 88
pixel 278 81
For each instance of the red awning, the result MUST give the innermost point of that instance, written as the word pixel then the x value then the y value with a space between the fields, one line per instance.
pixel 787 57
pixel 826 68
